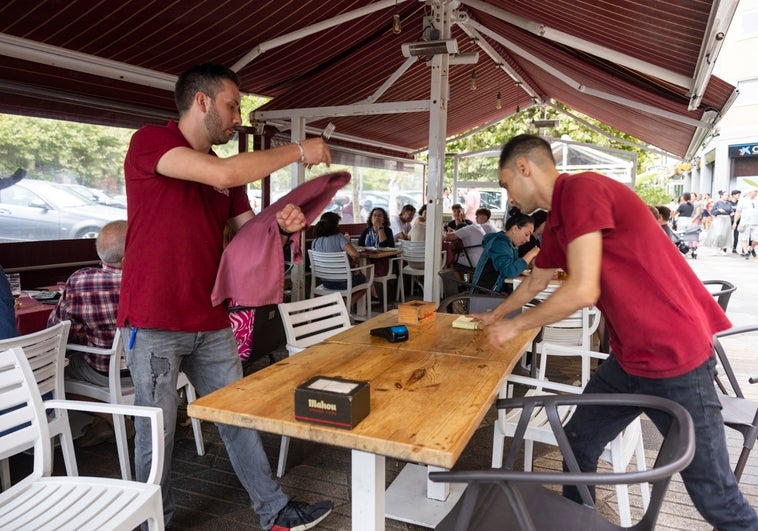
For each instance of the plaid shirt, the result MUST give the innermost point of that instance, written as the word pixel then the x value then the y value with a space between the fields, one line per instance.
pixel 90 302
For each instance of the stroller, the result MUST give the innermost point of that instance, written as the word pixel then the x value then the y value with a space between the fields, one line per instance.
pixel 688 240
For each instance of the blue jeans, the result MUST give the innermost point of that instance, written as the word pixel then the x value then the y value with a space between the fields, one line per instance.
pixel 709 480
pixel 210 361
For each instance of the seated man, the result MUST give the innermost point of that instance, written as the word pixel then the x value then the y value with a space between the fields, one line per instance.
pixel 459 219
pixel 470 237
pixel 90 302
pixel 401 224
pixel 7 311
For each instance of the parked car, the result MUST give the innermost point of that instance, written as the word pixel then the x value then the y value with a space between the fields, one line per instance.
pixel 32 210
pixel 98 196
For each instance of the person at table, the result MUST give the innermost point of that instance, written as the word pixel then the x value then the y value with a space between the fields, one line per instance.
pixel 459 219
pixel 180 197
pixel 90 301
pixel 418 230
pixel 621 261
pixel 7 309
pixel 330 239
pixel 377 232
pixel 539 217
pixel 500 258
pixel 401 223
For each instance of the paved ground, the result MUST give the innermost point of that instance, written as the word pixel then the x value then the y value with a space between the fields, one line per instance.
pixel 209 496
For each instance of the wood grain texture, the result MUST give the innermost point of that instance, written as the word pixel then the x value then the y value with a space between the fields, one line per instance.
pixel 425 405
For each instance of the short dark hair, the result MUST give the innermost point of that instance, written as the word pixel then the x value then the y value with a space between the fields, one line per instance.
pixel 456 206
pixel 522 145
pixel 484 212
pixel 518 219
pixel 735 192
pixel 206 78
pixel 409 208
pixel 664 211
pixel 328 224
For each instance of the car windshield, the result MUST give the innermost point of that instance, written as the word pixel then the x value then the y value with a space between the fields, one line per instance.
pixel 65 198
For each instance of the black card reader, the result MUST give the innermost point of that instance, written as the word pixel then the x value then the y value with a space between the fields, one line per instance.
pixel 393 334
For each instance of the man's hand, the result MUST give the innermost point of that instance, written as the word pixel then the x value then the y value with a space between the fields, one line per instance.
pixel 291 218
pixel 500 332
pixel 315 152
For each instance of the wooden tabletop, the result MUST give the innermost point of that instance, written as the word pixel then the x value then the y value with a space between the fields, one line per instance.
pixel 378 253
pixel 438 335
pixel 425 405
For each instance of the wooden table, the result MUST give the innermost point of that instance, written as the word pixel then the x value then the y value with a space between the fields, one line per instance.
pixel 378 253
pixel 425 405
pixel 438 335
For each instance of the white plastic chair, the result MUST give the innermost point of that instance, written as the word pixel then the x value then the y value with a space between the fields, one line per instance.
pixel 336 266
pixel 414 256
pixel 618 452
pixel 306 323
pixel 42 501
pixel 115 393
pixel 45 350
pixel 395 261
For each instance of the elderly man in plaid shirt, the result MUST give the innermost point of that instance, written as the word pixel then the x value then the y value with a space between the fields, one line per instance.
pixel 90 302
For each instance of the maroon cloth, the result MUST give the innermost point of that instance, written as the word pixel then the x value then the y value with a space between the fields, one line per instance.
pixel 252 266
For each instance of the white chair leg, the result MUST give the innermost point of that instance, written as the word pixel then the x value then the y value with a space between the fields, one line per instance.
pixel 639 452
pixel 284 448
pixel 400 286
pixel 67 447
pixel 189 390
pixel 122 445
pixel 528 454
pixel 498 444
pixel 5 475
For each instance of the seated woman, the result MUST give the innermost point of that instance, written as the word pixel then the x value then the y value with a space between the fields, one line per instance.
pixel 378 232
pixel 329 239
pixel 500 258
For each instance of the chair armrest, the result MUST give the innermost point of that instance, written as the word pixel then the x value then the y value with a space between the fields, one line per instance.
pixel 369 269
pixel 90 350
pixel 153 413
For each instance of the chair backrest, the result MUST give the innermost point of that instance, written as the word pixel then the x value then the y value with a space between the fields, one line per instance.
pixel 310 321
pixel 414 253
pixel 45 351
pixel 114 394
pixel 720 351
pixel 23 423
pixel 330 266
pixel 498 495
pixel 721 290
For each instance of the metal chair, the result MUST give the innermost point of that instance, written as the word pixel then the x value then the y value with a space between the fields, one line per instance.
pixel 739 413
pixel 115 393
pixel 306 323
pixel 722 290
pixel 496 497
pixel 618 452
pixel 336 266
pixel 43 501
pixel 45 350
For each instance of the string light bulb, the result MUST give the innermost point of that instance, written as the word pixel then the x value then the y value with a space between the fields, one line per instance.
pixel 499 100
pixel 396 21
pixel 473 79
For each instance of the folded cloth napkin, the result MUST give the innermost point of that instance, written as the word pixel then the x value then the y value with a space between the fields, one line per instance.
pixel 469 323
pixel 252 267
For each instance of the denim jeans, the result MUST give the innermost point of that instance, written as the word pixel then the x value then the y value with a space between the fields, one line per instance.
pixel 210 361
pixel 709 480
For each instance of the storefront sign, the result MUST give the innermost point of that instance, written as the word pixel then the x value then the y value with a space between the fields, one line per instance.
pixel 743 150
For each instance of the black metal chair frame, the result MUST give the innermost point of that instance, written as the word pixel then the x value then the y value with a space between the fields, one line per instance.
pixel 496 496
pixel 724 294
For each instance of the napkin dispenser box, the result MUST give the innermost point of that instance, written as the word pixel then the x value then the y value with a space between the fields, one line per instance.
pixel 332 401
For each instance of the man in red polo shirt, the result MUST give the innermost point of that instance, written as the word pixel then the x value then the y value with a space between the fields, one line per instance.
pixel 618 259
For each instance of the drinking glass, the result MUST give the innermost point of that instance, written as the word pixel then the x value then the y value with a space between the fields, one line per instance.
pixel 14 279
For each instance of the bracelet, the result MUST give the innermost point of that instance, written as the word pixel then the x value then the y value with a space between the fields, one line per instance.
pixel 302 151
pixel 284 232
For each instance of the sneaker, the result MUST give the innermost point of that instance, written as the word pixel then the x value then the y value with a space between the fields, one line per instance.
pixel 752 251
pixel 299 516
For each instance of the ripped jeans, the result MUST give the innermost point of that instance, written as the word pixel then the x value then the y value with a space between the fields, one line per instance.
pixel 210 361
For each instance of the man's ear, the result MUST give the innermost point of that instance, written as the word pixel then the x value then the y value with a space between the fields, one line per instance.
pixel 523 166
pixel 202 100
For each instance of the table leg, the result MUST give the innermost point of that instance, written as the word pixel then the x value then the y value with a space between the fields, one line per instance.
pixel 367 491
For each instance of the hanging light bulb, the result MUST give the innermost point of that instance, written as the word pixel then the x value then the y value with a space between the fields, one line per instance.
pixel 473 79
pixel 396 21
pixel 499 100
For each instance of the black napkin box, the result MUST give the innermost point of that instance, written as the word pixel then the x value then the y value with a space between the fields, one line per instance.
pixel 332 401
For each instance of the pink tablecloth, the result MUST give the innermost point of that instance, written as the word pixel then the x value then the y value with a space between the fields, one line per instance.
pixel 32 316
